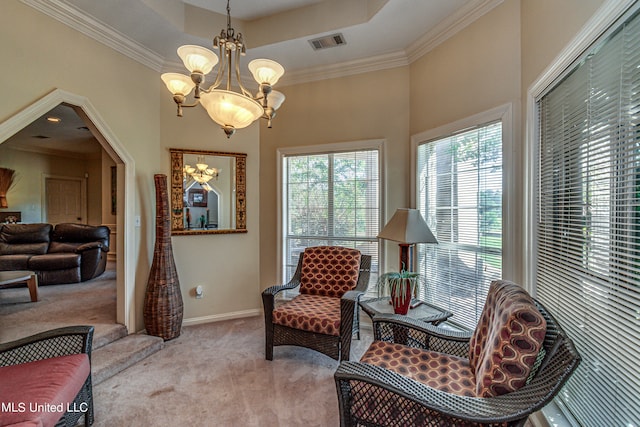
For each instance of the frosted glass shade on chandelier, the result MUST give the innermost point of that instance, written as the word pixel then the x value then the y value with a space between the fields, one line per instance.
pixel 178 84
pixel 266 71
pixel 197 58
pixel 230 109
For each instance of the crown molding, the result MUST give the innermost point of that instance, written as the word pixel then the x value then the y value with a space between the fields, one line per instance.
pixel 447 28
pixel 349 68
pixel 79 21
pixel 74 18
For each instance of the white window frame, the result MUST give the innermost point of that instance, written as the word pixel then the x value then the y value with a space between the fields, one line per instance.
pixel 341 147
pixel 510 223
pixel 600 22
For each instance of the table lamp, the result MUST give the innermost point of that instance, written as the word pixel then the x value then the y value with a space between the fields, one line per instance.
pixel 407 227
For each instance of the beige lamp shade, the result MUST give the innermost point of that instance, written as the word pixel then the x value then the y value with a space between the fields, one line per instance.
pixel 407 226
pixel 266 71
pixel 229 108
pixel 197 58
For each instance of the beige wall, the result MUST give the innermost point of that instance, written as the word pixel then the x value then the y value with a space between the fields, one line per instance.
pixel 368 106
pixel 133 102
pixel 476 70
pixel 226 265
pixel 40 55
pixel 106 164
pixel 94 191
pixel 26 195
pixel 547 27
pixel 488 64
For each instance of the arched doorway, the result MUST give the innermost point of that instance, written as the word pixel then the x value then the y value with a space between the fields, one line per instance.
pixel 125 171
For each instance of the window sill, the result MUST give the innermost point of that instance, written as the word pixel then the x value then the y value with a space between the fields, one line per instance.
pixel 552 415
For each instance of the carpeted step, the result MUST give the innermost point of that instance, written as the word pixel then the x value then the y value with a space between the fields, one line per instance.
pixel 117 356
pixel 107 333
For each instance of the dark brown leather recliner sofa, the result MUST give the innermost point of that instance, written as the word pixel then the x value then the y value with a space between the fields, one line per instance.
pixel 66 253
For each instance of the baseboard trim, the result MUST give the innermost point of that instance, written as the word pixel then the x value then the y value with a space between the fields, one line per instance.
pixel 222 317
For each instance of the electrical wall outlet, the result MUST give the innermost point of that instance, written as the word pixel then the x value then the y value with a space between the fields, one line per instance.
pixel 199 291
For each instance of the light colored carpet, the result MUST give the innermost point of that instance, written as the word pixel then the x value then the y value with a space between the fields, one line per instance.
pixel 212 375
pixel 87 303
pixel 215 375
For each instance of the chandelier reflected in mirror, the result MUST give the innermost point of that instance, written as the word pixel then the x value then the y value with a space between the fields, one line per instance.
pixel 201 173
pixel 230 109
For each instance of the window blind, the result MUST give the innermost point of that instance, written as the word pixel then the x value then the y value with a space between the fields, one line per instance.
pixel 331 199
pixel 588 231
pixel 460 196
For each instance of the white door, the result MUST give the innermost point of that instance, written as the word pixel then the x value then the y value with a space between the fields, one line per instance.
pixel 64 198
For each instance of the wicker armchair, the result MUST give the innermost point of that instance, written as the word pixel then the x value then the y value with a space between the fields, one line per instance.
pixel 324 316
pixel 372 395
pixel 57 346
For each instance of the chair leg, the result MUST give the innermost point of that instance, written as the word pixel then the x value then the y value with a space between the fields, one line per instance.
pixel 345 347
pixel 88 416
pixel 268 342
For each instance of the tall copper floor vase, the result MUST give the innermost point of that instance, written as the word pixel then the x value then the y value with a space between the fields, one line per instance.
pixel 163 307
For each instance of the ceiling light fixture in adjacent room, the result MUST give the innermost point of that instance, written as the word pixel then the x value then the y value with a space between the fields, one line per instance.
pixel 230 109
pixel 201 173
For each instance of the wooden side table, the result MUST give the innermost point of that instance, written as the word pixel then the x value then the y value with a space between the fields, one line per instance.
pixel 17 276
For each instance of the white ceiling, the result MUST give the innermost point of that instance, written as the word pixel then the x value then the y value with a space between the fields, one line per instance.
pixel 249 10
pixel 379 34
pixel 70 135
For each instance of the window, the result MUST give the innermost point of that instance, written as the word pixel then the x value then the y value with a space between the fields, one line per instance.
pixel 588 222
pixel 459 193
pixel 330 198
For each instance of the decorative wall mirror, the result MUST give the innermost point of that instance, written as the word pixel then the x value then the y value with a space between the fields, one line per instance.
pixel 208 191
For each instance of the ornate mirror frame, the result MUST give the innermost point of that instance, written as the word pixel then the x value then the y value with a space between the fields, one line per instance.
pixel 177 192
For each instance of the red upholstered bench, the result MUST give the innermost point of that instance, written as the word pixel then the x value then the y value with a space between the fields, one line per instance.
pixel 45 379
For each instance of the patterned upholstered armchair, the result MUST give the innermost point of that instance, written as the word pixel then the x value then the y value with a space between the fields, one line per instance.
pixel 512 365
pixel 324 316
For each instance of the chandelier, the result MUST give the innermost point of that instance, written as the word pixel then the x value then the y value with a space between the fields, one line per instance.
pixel 201 173
pixel 230 109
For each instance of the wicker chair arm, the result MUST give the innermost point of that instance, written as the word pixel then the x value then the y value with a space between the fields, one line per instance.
pixel 274 290
pixel 496 410
pixel 53 343
pixel 352 296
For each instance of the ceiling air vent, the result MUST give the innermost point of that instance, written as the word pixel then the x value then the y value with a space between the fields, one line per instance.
pixel 328 41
